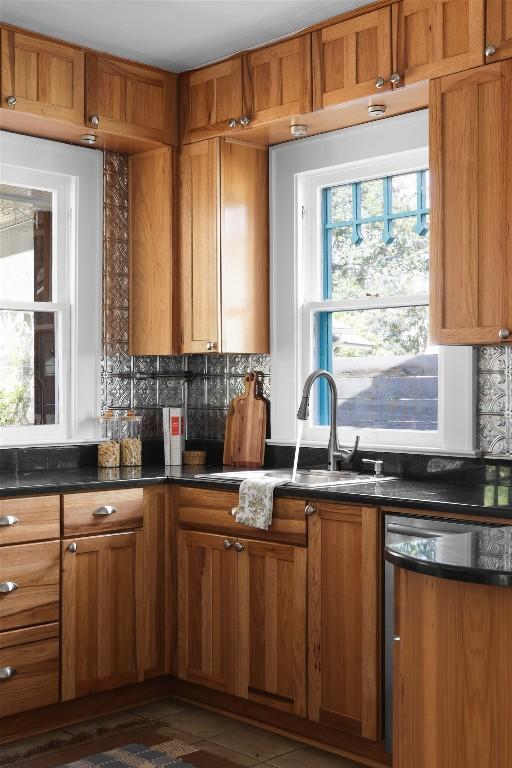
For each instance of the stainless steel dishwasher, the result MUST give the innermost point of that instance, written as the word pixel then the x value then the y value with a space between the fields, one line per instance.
pixel 398 527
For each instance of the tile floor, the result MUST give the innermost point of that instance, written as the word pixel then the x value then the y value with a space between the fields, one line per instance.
pixel 243 744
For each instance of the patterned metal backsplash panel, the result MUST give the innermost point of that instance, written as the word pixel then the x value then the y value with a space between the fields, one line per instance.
pixel 221 376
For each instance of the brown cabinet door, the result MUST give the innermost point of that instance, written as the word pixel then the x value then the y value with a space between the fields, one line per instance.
pixel 350 57
pixel 244 248
pixel 102 613
pixel 152 306
pixel 210 99
pixel 436 37
pixel 452 674
pixel 344 618
pixel 277 80
pixel 200 253
pixel 158 584
pixel 130 100
pixel 499 29
pixel 207 610
pixel 30 577
pixel 272 625
pixel 471 204
pixel 43 77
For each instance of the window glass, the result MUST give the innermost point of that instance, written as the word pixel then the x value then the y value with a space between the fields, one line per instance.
pixel 376 251
pixel 25 243
pixel 28 385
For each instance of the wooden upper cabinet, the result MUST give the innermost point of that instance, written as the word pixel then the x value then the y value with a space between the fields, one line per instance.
pixel 350 58
pixel 42 77
pixel 102 613
pixel 224 258
pixel 207 608
pixel 436 37
pixel 200 270
pixel 499 29
pixel 344 618
pixel 277 80
pixel 153 316
pixel 272 625
pixel 471 204
pixel 211 99
pixel 131 100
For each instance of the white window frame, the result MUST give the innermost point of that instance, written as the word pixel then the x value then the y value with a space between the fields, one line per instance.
pixel 74 175
pixel 293 338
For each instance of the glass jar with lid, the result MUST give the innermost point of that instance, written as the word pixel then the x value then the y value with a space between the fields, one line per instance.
pixel 131 443
pixel 109 426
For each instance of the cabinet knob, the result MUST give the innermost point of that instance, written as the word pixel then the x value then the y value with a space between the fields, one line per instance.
pixel 94 121
pixel 72 547
pixel 503 333
pixel 232 122
pixel 395 78
pixel 489 50
pixel 309 509
pixel 210 345
pixel 245 120
pixel 8 520
pixel 380 82
pixel 8 586
pixel 11 101
pixel 6 673
pixel 396 638
pixel 104 511
pixel 239 546
pixel 227 544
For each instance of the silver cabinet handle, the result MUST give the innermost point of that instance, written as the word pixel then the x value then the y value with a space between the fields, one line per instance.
pixel 503 333
pixel 72 547
pixel 11 101
pixel 309 509
pixel 232 122
pixel 396 638
pixel 239 546
pixel 8 520
pixel 227 544
pixel 245 120
pixel 6 673
pixel 210 345
pixel 94 121
pixel 489 50
pixel 104 511
pixel 8 586
pixel 395 78
pixel 380 82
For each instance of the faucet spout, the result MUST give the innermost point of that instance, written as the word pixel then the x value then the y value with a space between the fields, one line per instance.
pixel 334 453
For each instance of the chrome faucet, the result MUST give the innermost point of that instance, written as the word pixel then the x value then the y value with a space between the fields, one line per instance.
pixel 335 455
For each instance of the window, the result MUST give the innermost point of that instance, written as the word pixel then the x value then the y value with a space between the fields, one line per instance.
pixel 374 335
pixel 350 293
pixel 47 297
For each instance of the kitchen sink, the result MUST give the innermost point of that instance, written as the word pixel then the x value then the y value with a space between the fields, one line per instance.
pixel 317 478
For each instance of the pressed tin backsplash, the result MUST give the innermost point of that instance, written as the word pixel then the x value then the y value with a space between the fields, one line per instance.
pixel 221 376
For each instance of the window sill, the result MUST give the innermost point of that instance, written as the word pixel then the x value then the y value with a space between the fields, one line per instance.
pixel 383 448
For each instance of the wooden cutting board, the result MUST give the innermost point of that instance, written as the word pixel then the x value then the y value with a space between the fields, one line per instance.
pixel 246 427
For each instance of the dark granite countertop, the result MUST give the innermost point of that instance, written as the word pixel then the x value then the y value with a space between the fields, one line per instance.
pixel 491 499
pixel 482 555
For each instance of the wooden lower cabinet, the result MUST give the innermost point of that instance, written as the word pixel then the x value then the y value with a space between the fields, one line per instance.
pixel 207 608
pixel 242 618
pixel 272 625
pixel 344 618
pixel 102 613
pixel 452 674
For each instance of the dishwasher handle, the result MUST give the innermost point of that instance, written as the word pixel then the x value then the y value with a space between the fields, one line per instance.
pixel 410 530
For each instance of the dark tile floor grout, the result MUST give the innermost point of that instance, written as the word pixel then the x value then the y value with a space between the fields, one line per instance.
pixel 244 745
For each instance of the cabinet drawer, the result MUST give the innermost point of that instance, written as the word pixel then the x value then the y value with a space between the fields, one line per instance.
pixel 102 511
pixel 208 510
pixel 29 668
pixel 29 584
pixel 29 519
